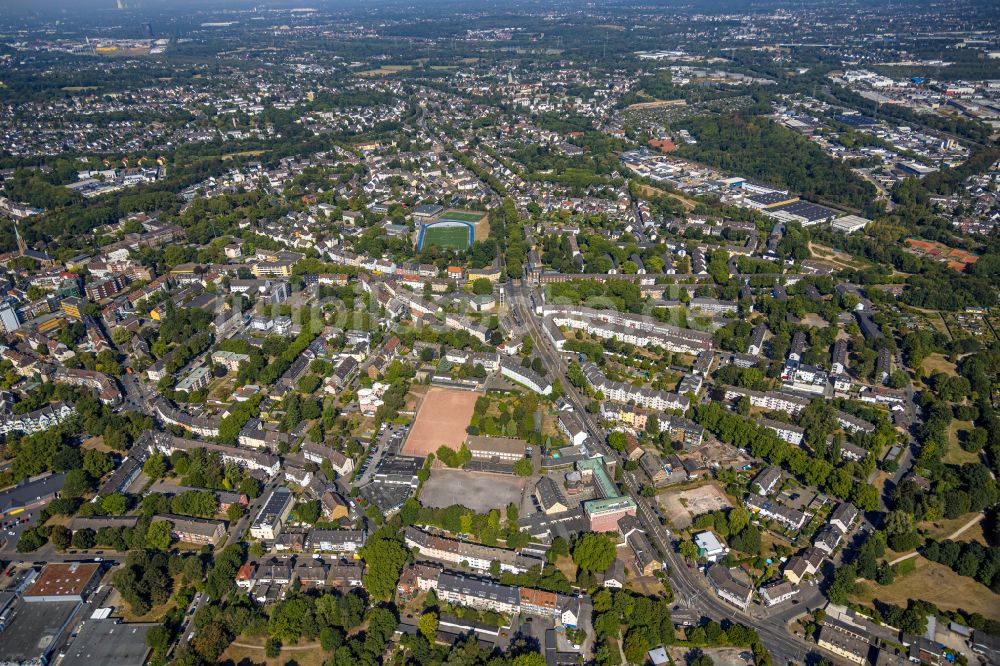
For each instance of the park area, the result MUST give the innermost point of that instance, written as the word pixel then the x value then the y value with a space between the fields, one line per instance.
pixel 478 491
pixel 441 420
pixel 683 505
pixel 250 650
pixel 937 584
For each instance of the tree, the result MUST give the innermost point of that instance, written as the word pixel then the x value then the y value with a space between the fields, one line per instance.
pixel 529 659
pixel 272 648
pixel 158 536
pixel 636 647
pixel 482 287
pixel 428 625
pixel 975 440
pixel 617 440
pixel 739 518
pixel 523 467
pixel 97 463
pixel 60 537
pixel 898 522
pixel 158 639
pixel 593 552
pixel 155 466
pixel 75 484
pixel 689 550
pixel 250 487
pixel 309 512
pixel 84 539
pixel 234 512
pixel 384 556
pixel 899 379
pixel 114 504
pixel 743 406
pixel 31 539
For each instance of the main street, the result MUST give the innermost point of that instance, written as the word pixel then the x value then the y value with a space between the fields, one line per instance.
pixel 690 587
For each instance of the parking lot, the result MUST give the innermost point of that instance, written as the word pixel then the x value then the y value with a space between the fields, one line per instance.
pixel 475 490
pixel 11 534
pixel 390 440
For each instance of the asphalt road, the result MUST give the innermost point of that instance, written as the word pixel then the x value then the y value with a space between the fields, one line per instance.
pixel 689 585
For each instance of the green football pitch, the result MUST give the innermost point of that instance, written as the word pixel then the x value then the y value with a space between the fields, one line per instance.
pixel 462 217
pixel 453 237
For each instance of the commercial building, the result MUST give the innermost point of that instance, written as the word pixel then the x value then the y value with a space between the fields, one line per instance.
pixel 101 642
pixel 70 581
pixel 709 546
pixel 272 516
pixel 849 224
pixel 30 493
pixel 34 630
pixel 10 321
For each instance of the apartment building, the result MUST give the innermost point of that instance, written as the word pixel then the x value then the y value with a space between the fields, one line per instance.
pixel 475 556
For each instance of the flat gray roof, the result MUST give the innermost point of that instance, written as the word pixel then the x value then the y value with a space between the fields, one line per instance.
pixel 34 629
pixel 107 641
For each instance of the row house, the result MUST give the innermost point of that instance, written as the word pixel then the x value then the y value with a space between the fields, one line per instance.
pixel 792 519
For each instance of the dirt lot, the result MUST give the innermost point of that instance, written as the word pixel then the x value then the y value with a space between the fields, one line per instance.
pixel 719 656
pixel 683 505
pixel 477 490
pixel 941 586
pixel 441 420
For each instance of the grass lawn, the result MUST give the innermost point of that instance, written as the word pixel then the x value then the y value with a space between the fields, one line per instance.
pixel 768 541
pixel 454 237
pixel 938 363
pixel 566 564
pixel 155 614
pixel 943 528
pixel 386 70
pixel 250 650
pixel 938 584
pixel 956 455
